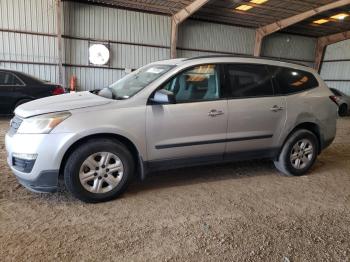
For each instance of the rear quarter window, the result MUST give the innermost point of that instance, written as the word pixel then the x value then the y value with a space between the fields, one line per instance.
pixel 9 79
pixel 290 81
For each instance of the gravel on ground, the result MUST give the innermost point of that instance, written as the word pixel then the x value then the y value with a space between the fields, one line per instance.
pixel 241 211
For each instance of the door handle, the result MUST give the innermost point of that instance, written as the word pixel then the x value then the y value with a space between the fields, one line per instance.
pixel 214 113
pixel 277 108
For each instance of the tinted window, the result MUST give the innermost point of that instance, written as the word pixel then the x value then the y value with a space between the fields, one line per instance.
pixel 200 83
pixel 336 92
pixel 249 80
pixel 292 81
pixel 9 79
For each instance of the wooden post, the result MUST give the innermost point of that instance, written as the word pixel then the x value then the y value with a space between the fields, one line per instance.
pixel 178 18
pixel 279 25
pixel 258 42
pixel 325 41
pixel 174 36
pixel 59 41
pixel 320 49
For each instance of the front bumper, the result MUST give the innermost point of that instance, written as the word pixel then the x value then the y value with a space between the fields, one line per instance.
pixel 49 148
pixel 46 182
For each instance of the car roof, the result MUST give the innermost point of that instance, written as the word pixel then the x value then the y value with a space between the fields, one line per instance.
pixel 24 75
pixel 236 59
pixel 9 70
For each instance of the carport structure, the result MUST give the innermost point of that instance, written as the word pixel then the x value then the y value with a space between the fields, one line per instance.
pixel 267 17
pixel 142 31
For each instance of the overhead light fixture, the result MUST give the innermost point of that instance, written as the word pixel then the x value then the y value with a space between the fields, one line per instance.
pixel 321 21
pixel 243 7
pixel 258 2
pixel 340 16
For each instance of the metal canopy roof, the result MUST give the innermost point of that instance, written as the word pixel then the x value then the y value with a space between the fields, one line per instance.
pixel 223 11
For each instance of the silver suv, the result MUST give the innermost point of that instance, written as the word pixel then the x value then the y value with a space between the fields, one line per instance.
pixel 172 114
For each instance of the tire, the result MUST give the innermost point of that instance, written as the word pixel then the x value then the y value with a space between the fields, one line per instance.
pixel 343 110
pixel 104 184
pixel 286 165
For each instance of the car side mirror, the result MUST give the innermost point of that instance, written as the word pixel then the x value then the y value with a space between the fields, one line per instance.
pixel 163 97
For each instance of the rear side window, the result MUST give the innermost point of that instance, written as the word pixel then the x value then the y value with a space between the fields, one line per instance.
pixel 9 79
pixel 291 81
pixel 248 80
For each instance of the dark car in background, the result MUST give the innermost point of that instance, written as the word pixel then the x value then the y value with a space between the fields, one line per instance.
pixel 342 100
pixel 17 88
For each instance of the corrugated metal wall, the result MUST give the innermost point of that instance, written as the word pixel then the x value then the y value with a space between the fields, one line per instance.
pixel 336 66
pixel 135 39
pixel 294 48
pixel 33 15
pixel 28 42
pixel 202 38
pixel 205 37
pixel 25 50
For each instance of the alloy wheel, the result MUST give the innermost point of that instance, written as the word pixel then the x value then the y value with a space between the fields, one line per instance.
pixel 101 172
pixel 302 154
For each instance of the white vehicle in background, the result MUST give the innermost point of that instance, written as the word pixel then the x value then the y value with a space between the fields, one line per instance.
pixel 342 100
pixel 172 114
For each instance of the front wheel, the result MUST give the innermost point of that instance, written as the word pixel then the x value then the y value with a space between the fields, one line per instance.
pixel 99 170
pixel 298 154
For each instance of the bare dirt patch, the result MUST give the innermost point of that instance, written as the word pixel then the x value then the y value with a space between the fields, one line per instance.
pixel 235 212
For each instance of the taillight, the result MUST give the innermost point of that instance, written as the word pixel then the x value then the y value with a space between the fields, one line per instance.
pixel 335 99
pixel 58 90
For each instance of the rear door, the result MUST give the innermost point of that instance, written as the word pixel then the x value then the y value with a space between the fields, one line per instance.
pixel 196 125
pixel 8 82
pixel 256 115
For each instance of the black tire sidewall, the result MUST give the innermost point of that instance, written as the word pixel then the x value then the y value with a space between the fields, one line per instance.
pixel 343 110
pixel 78 156
pixel 297 136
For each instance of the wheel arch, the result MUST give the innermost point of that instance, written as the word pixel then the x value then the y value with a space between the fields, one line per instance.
pixel 310 126
pixel 125 141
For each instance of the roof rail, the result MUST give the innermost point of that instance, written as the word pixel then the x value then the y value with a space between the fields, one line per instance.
pixel 290 61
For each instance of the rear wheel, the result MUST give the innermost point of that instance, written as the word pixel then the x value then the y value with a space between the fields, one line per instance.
pixel 299 153
pixel 343 110
pixel 99 170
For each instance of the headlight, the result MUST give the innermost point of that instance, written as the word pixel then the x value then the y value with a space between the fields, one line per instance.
pixel 42 124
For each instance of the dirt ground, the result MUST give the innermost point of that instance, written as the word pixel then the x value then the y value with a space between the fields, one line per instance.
pixel 235 212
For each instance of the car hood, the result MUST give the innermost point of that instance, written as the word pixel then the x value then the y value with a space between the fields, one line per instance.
pixel 60 103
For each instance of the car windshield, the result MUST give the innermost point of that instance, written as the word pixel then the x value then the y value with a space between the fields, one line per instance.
pixel 137 80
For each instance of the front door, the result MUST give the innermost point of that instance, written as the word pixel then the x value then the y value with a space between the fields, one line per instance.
pixel 196 125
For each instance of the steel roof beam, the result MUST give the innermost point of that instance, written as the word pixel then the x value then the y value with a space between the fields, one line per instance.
pixel 325 41
pixel 279 25
pixel 180 17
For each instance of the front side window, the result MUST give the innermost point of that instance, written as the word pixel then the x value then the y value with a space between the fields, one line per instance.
pixel 9 79
pixel 249 80
pixel 138 80
pixel 291 80
pixel 200 83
